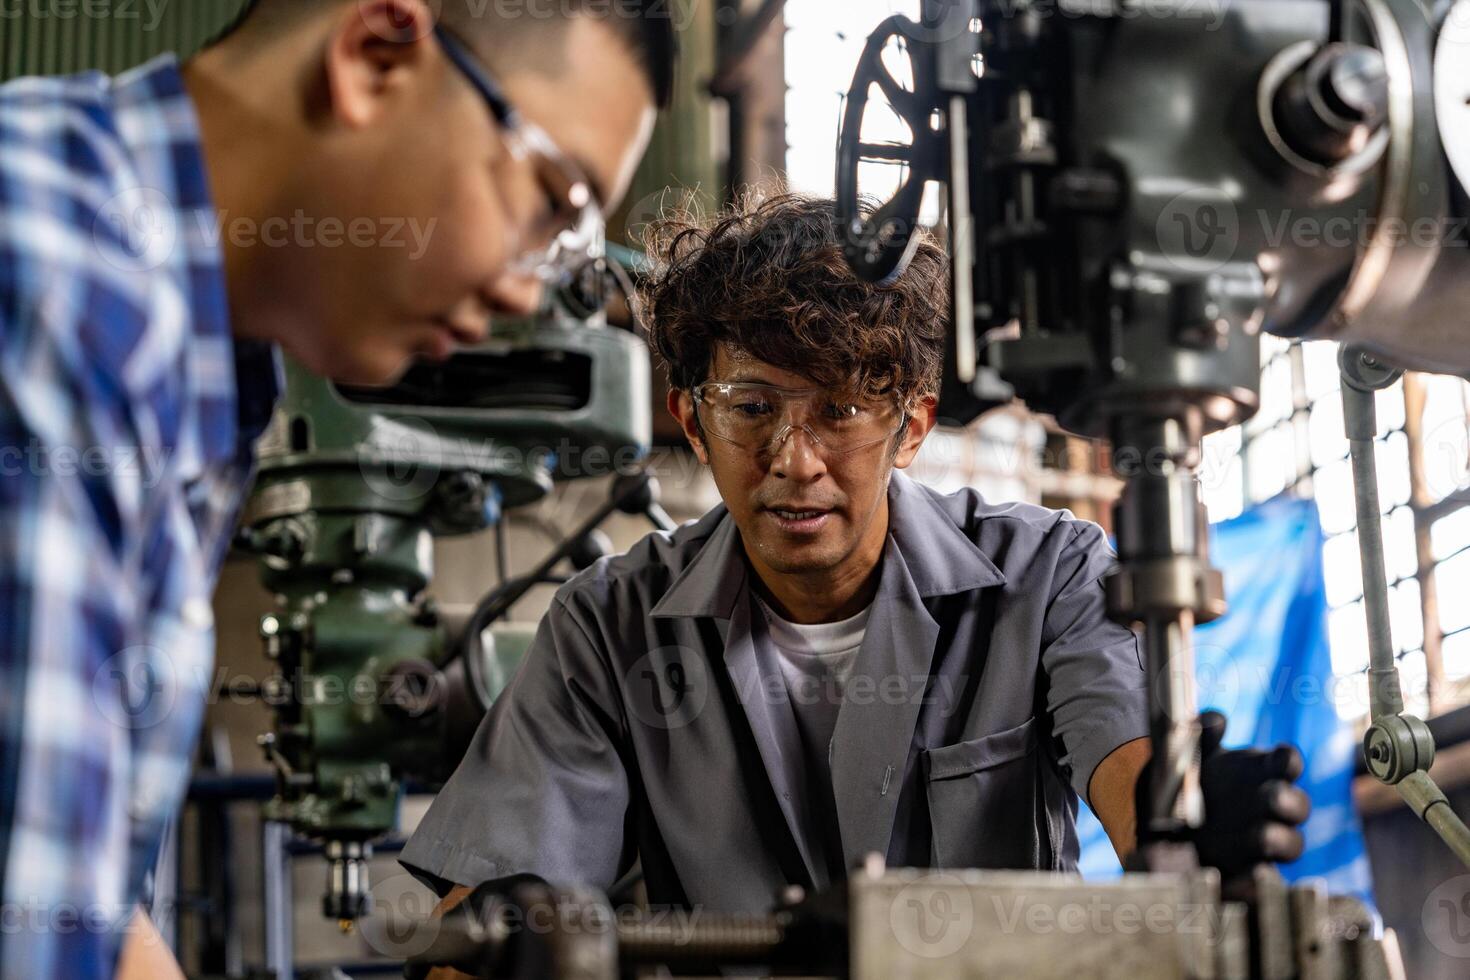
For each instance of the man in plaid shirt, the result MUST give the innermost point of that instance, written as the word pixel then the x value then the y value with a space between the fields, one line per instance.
pixel 357 182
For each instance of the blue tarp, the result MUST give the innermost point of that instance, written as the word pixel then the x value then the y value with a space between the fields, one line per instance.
pixel 1266 665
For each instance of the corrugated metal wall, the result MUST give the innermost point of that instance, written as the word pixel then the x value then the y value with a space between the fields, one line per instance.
pixel 54 37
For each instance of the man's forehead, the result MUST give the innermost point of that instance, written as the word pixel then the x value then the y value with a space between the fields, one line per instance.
pixel 736 364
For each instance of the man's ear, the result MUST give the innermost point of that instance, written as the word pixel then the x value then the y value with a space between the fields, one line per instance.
pixel 681 407
pixel 374 48
pixel 922 419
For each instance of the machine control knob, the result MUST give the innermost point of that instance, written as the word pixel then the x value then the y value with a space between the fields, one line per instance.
pixel 1331 106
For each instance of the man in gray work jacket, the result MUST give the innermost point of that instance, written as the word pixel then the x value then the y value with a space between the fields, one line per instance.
pixel 837 660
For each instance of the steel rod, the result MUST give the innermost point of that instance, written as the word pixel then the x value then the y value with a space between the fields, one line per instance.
pixel 1360 419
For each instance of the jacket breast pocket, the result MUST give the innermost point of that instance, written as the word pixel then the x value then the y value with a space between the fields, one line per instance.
pixel 984 802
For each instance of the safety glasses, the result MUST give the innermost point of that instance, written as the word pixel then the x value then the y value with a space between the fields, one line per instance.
pixel 759 418
pixel 572 227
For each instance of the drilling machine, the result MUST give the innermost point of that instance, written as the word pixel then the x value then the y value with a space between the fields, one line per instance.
pixel 374 685
pixel 1122 180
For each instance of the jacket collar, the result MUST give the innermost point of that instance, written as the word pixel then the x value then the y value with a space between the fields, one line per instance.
pixel 940 558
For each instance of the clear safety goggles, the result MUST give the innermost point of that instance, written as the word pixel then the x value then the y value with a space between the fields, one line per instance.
pixel 760 418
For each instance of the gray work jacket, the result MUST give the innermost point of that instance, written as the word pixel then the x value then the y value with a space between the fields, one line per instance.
pixel 646 725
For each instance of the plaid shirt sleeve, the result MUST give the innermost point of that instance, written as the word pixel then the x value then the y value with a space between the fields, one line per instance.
pixel 122 467
pixel 66 612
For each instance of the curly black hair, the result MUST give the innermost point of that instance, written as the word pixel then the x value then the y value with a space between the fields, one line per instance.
pixel 768 277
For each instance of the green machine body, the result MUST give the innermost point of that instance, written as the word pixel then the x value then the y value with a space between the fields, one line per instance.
pixel 354 485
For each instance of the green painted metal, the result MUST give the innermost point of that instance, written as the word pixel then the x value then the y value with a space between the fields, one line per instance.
pixel 354 485
pixel 60 37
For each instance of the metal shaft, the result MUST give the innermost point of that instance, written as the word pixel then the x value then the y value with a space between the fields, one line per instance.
pixel 962 241
pixel 1360 420
pixel 1175 791
pixel 1404 743
pixel 694 939
pixel 1164 582
pixel 1427 800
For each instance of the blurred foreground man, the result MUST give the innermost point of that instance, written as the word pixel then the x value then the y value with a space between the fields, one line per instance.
pixel 356 182
pixel 836 661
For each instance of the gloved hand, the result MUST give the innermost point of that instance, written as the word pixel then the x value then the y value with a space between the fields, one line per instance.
pixel 1253 807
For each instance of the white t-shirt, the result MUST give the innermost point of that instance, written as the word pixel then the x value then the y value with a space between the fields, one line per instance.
pixel 816 661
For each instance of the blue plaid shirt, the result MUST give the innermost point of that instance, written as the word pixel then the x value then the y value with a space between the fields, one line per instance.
pixel 127 420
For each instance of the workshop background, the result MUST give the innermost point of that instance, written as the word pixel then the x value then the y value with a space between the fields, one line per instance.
pixel 760 94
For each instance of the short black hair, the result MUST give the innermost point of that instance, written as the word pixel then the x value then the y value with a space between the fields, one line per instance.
pixel 645 26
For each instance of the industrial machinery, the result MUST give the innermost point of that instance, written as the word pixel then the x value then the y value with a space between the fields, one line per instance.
pixel 1135 191
pixel 887 924
pixel 374 684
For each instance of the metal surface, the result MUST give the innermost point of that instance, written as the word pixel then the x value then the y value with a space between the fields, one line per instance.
pixel 912 924
pixel 276 897
pixel 1290 65
pixel 1273 957
pixel 961 243
pixel 346 895
pixel 1452 88
pixel 961 924
pixel 878 243
pixel 1316 953
pixel 1413 182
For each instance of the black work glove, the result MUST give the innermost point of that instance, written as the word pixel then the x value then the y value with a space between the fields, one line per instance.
pixel 1253 807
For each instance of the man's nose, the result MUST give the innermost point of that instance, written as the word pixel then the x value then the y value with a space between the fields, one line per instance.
pixel 797 455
